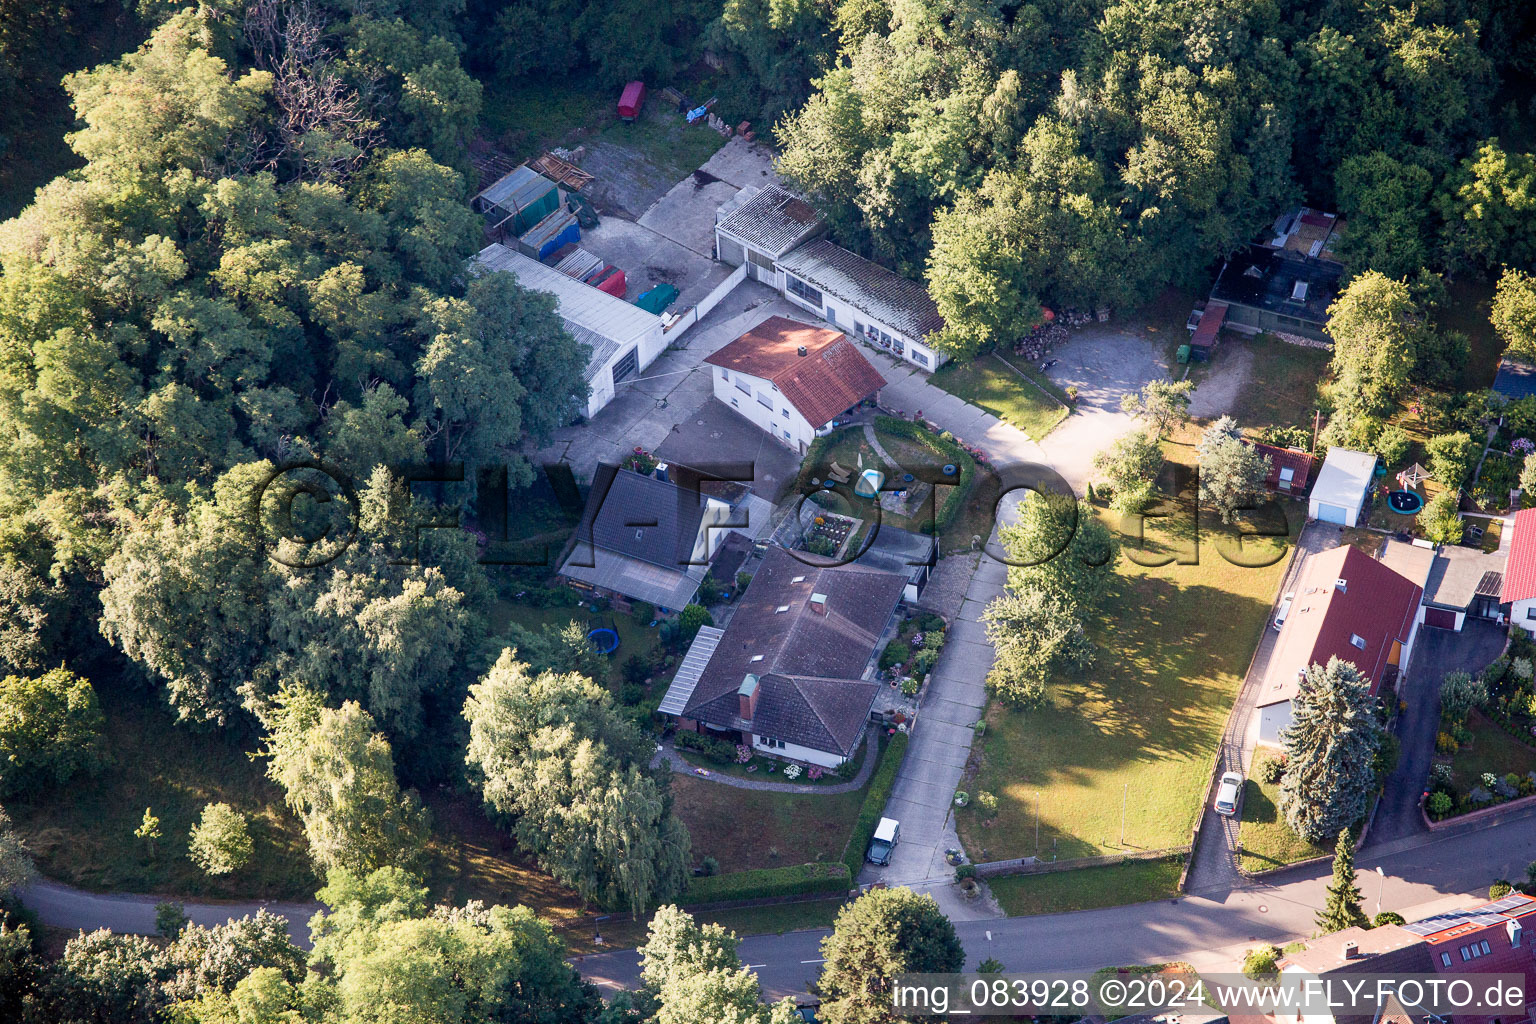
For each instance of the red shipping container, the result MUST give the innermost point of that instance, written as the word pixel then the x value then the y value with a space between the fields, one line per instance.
pixel 631 100
pixel 612 282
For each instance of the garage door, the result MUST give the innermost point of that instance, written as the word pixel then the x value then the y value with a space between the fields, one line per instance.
pixel 1439 618
pixel 1331 513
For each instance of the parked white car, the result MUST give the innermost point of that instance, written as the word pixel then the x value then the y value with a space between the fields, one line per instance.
pixel 1285 609
pixel 1227 794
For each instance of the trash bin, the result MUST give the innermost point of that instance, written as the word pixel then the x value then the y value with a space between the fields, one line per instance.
pixel 1183 354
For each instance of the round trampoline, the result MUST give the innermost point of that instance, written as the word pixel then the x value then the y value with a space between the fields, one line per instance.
pixel 604 640
pixel 1405 503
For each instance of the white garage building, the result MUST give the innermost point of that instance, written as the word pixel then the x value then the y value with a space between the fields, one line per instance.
pixel 1342 486
pixel 756 228
pixel 624 338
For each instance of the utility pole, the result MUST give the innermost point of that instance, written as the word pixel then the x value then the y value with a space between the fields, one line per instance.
pixel 1037 823
pixel 1317 423
pixel 1124 796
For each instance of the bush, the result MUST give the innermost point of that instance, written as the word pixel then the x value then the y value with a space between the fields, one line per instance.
pixel 1498 890
pixel 711 749
pixel 691 619
pixel 1440 520
pixel 1384 762
pixel 910 686
pixel 711 590
pixel 643 612
pixel 1392 445
pixel 50 730
pixel 965 871
pixel 986 803
pixel 1459 694
pixel 895 653
pixel 1441 778
pixel 170 919
pixel 631 694
pixel 880 785
pixel 1271 770
pixel 1439 804
pixel 709 867
pixel 743 579
pixel 1261 961
pixel 767 883
pixel 1387 917
pixel 221 841
pixel 1445 743
pixel 636 669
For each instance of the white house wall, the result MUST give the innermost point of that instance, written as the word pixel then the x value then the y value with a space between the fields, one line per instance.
pixel 780 419
pixel 795 752
pixel 1273 720
pixel 843 315
pixel 1520 613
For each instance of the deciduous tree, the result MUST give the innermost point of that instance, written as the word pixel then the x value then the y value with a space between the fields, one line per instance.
pixel 880 935
pixel 1376 327
pixel 50 730
pixel 1232 472
pixel 221 840
pixel 1514 313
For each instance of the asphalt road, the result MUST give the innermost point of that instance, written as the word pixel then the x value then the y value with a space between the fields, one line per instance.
pixel 64 907
pixel 1419 871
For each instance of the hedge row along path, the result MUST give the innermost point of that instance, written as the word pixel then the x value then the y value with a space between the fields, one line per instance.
pixel 668 753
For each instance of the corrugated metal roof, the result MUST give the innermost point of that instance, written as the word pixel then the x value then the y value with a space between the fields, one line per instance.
pixel 523 187
pixel 690 670
pixel 581 304
pixel 877 292
pixel 603 349
pixel 773 221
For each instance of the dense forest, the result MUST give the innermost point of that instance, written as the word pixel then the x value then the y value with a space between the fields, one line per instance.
pixel 259 258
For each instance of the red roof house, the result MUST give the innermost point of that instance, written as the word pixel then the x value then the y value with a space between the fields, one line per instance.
pixel 1290 469
pixel 1520 571
pixel 819 373
pixel 1346 605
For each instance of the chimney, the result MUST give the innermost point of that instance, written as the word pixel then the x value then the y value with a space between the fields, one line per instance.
pixel 661 471
pixel 1351 950
pixel 746 696
pixel 819 604
pixel 1341 586
pixel 1514 929
pixel 800 350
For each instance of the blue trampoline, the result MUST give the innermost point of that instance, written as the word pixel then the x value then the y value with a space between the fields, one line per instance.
pixel 604 640
pixel 1405 503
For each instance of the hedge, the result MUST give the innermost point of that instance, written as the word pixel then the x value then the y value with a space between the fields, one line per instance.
pixel 767 883
pixel 880 786
pixel 948 450
pixel 716 750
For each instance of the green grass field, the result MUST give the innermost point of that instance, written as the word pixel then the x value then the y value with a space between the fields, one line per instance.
pixel 1492 750
pixel 994 385
pixel 1142 724
pixel 1285 387
pixel 1266 839
pixel 744 828
pixel 1088 889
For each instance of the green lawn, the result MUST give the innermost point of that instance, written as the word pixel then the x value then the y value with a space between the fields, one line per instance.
pixel 526 118
pixel 83 835
pixel 992 384
pixel 1492 750
pixel 633 637
pixel 1088 889
pixel 745 828
pixel 1143 723
pixel 1266 839
pixel 1285 386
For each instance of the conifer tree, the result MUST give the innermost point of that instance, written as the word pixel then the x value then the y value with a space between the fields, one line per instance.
pixel 1342 909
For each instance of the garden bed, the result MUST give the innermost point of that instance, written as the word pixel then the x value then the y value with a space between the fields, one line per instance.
pixel 1492 768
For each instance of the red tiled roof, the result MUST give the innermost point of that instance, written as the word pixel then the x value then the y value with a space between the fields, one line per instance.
pixel 1520 572
pixel 1377 605
pixel 1280 458
pixel 1210 325
pixel 832 375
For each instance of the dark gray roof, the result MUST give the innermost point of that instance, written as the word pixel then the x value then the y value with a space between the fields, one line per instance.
pixel 900 551
pixel 1515 380
pixel 1266 278
pixel 642 517
pixel 810 665
pixel 877 292
pixel 1457 575
pixel 774 221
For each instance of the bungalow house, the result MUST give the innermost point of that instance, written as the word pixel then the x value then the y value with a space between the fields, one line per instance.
pixel 758 227
pixel 1341 487
pixel 882 309
pixel 791 674
pixel 792 379
pixel 1283 283
pixel 1518 589
pixel 1346 605
pixel 644 538
pixel 1458 582
pixel 1290 469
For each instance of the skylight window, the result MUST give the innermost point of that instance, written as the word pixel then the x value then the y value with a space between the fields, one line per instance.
pixel 1357 640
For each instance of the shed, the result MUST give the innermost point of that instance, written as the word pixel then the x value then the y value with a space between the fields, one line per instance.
pixel 631 100
pixel 549 234
pixel 1515 380
pixel 1206 332
pixel 516 202
pixel 1342 486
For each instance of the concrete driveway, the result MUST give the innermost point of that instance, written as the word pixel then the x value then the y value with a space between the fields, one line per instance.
pixel 649 257
pixel 1105 364
pixel 1436 652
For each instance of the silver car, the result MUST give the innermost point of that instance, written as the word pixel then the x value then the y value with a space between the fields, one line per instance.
pixel 1227 794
